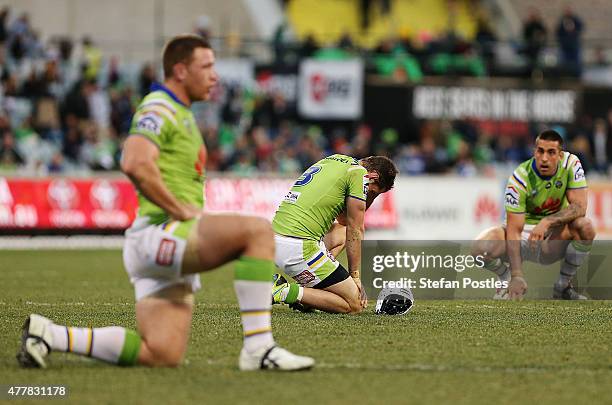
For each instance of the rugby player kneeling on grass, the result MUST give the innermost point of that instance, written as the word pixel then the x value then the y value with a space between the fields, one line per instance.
pixel 308 239
pixel 171 240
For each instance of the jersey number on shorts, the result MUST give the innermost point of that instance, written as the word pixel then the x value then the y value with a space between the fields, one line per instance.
pixel 307 176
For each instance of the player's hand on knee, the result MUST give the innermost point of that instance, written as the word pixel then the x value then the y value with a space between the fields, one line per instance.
pixel 517 288
pixel 186 212
pixel 539 232
pixel 363 298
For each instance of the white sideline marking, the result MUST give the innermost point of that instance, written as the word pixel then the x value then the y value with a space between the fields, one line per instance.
pixel 60 242
pixel 446 368
pixel 52 304
pixel 441 368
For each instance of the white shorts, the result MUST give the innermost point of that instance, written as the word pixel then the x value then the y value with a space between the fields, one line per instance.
pixel 534 253
pixel 153 256
pixel 306 261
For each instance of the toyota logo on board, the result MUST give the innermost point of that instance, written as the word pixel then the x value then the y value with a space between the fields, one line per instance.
pixel 62 194
pixel 104 194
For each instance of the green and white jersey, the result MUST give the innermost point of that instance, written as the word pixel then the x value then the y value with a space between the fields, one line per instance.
pixel 319 195
pixel 169 124
pixel 539 196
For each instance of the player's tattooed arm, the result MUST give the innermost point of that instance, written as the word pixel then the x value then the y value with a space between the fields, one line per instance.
pixel 577 207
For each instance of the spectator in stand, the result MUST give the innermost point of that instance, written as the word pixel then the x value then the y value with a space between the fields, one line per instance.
pixel 362 142
pixel 569 32
pixel 278 42
pixel 364 8
pixel 17 37
pixel 4 13
pixel 601 144
pixel 202 27
pixel 244 165
pixel 92 59
pixel 146 79
pixel 534 36
pixel 56 165
pixel 485 38
pixel 580 147
pixel 309 46
pixel 73 139
pixel 76 100
pixel 346 42
pixel 114 76
pixel 122 110
pixel 9 156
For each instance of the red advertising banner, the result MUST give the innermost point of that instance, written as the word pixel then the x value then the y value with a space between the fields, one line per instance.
pixel 600 208
pixel 261 197
pixel 106 204
pixel 66 204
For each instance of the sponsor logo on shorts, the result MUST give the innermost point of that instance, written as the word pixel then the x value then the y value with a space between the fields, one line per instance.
pixel 165 253
pixel 304 277
pixel 150 122
pixel 292 197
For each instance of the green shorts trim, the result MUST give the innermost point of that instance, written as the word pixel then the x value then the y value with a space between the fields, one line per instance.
pixel 319 262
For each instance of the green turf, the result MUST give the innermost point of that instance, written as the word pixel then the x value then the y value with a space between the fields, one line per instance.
pixel 442 351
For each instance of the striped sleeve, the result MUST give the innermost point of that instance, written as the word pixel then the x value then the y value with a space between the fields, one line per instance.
pixel 153 119
pixel 516 193
pixel 357 184
pixel 575 175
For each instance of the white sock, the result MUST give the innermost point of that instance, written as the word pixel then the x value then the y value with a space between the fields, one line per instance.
pixel 105 344
pixel 575 255
pixel 500 268
pixel 255 306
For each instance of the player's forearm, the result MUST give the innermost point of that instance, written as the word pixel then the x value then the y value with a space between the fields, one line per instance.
pixel 354 236
pixel 513 248
pixel 566 215
pixel 147 178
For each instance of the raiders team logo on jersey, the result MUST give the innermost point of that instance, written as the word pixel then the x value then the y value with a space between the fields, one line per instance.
pixel 150 122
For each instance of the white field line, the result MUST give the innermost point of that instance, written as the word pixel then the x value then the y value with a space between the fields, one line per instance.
pixel 60 242
pixel 70 304
pixel 436 368
pixel 453 368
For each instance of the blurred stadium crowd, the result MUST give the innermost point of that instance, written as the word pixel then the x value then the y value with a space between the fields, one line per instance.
pixel 65 107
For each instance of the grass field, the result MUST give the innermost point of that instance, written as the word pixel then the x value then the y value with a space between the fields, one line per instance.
pixel 442 351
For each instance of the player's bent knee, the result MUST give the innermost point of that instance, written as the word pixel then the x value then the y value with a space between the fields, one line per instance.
pixel 582 229
pixel 162 355
pixel 585 228
pixel 478 248
pixel 261 229
pixel 488 248
pixel 356 309
pixel 354 304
